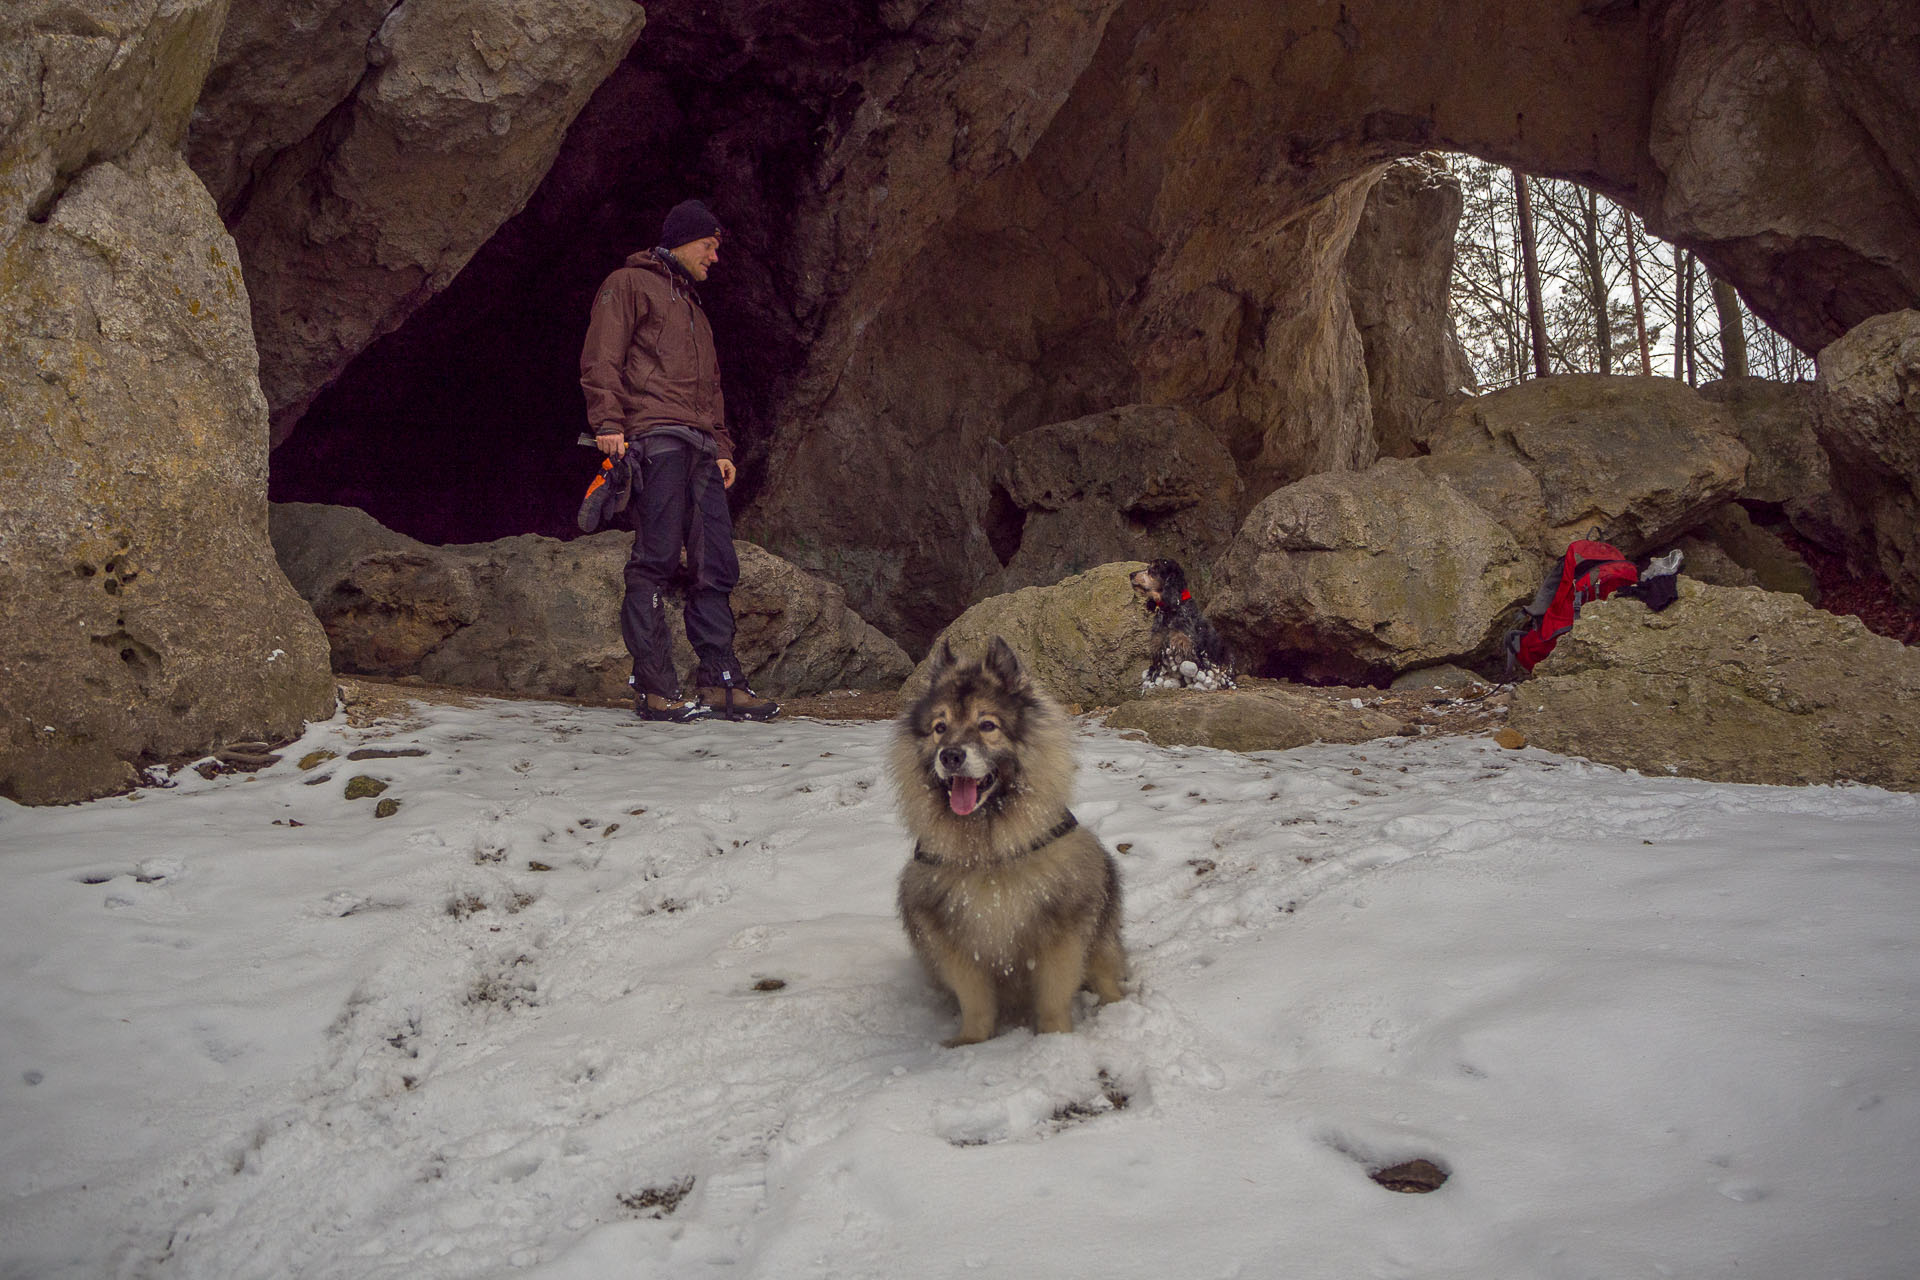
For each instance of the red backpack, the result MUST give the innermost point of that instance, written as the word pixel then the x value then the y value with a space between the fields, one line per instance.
pixel 1590 570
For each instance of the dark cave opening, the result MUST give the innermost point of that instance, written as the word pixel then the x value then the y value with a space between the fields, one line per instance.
pixel 1006 524
pixel 463 424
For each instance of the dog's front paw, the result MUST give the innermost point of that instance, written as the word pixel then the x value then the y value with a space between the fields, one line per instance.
pixel 954 1042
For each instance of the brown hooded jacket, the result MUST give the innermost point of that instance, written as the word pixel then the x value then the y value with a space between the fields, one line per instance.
pixel 648 361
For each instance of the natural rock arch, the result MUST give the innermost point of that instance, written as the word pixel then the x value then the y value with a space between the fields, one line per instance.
pixel 1178 228
pixel 969 219
pixel 956 220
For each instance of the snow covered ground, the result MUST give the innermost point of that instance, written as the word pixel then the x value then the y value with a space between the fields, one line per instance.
pixel 606 1000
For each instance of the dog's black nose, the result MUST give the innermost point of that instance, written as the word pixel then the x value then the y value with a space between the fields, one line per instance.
pixel 952 758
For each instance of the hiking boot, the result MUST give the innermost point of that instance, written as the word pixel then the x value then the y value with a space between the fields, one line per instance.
pixel 737 702
pixel 654 707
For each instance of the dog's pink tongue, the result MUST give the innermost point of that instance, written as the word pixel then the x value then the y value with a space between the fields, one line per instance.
pixel 963 795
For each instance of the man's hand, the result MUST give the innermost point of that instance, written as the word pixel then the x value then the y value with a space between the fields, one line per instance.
pixel 726 474
pixel 612 443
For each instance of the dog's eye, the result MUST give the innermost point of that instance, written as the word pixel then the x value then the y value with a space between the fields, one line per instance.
pixel 989 726
pixel 939 726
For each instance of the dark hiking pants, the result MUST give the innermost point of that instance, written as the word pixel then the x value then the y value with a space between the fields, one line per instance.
pixel 678 502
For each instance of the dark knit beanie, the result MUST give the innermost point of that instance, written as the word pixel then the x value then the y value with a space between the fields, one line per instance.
pixel 686 222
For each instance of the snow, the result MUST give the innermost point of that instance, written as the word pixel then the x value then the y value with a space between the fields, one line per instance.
pixel 1651 1027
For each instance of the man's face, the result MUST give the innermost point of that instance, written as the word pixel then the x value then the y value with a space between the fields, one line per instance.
pixel 698 256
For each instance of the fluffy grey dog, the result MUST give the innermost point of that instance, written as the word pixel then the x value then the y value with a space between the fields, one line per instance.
pixel 1009 902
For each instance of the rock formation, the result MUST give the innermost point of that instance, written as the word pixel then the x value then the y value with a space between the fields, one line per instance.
pixel 1262 718
pixel 1361 575
pixel 1641 459
pixel 1086 640
pixel 1358 576
pixel 954 222
pixel 959 221
pixel 1171 235
pixel 1786 469
pixel 1134 483
pixel 1868 417
pixel 1733 685
pixel 1789 476
pixel 142 616
pixel 1399 269
pixel 531 615
pixel 1753 556
pixel 363 152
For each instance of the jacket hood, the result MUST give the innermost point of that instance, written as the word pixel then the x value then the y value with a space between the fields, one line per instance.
pixel 662 264
pixel 658 262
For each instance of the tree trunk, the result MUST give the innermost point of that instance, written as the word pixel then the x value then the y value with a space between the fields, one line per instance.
pixel 1596 280
pixel 1733 332
pixel 1693 272
pixel 1536 312
pixel 1513 370
pixel 1679 313
pixel 1639 304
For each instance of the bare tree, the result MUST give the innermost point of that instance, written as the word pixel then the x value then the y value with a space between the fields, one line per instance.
pixel 1530 259
pixel 1596 279
pixel 1488 306
pixel 1772 356
pixel 1691 315
pixel 1596 282
pixel 1682 313
pixel 1639 303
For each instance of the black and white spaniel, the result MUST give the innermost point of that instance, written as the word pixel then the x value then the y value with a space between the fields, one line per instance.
pixel 1188 652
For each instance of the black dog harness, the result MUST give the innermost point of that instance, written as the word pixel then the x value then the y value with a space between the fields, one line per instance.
pixel 1065 825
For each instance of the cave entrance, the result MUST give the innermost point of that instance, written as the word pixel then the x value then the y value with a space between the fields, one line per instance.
pixel 917 272
pixel 462 424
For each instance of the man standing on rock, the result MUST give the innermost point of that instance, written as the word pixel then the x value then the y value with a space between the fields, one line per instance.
pixel 653 401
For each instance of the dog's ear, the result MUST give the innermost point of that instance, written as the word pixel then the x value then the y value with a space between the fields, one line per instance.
pixel 1003 664
pixel 943 655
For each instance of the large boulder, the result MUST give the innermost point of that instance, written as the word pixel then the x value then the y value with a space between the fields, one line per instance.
pixel 1732 685
pixel 282 67
pixel 1641 459
pixel 534 615
pixel 1753 556
pixel 1267 717
pixel 1085 640
pixel 1358 575
pixel 1789 469
pixel 142 616
pixel 1134 483
pixel 1868 416
pixel 1786 466
pixel 405 135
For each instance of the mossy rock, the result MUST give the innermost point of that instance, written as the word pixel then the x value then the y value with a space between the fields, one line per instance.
pixel 360 786
pixel 1086 640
